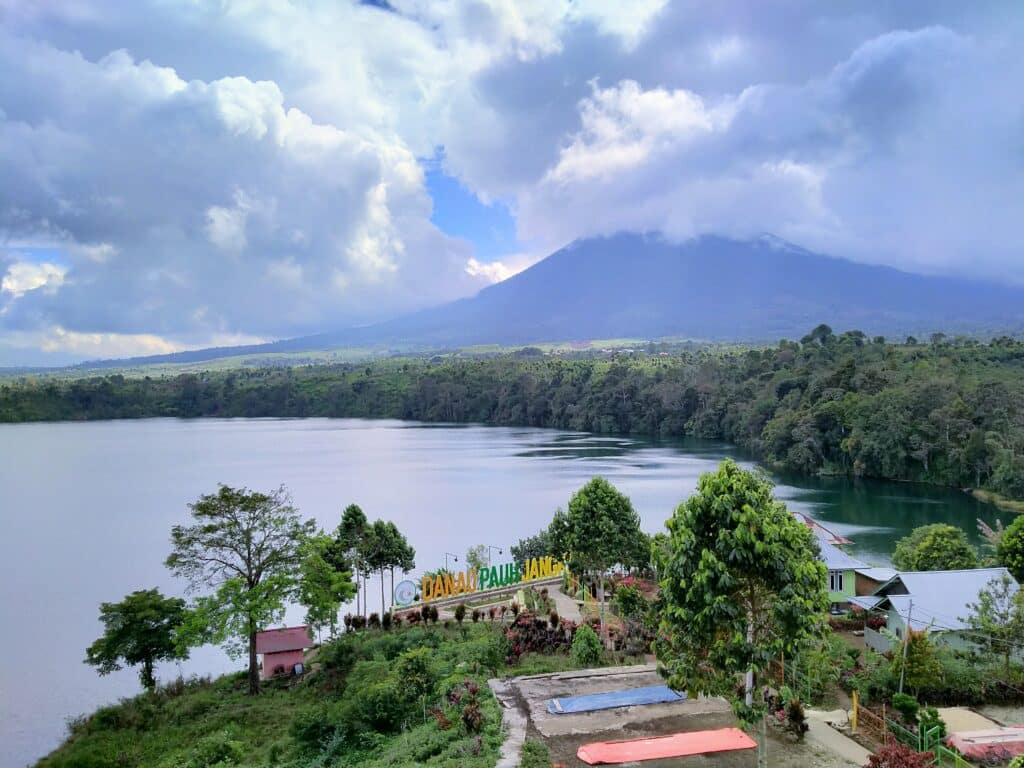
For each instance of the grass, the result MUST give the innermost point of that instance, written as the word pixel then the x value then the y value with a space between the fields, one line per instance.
pixel 171 727
pixel 535 754
pixel 354 710
pixel 990 497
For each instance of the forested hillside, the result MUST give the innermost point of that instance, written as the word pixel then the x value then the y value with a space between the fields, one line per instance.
pixel 949 413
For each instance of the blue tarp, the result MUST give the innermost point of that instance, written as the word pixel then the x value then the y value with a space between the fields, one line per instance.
pixel 655 694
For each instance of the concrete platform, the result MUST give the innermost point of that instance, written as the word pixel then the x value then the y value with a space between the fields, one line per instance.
pixel 525 702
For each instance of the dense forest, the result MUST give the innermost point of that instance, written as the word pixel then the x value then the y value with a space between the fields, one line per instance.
pixel 949 412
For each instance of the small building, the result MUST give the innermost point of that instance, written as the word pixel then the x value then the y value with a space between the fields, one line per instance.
pixel 842 572
pixel 283 649
pixel 871 578
pixel 936 602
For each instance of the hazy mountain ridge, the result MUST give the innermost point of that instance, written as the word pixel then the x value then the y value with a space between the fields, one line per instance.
pixel 710 288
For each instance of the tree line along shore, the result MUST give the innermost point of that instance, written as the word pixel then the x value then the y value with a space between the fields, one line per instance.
pixel 947 412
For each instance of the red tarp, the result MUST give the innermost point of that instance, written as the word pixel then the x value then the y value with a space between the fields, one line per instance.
pixel 997 743
pixel 676 745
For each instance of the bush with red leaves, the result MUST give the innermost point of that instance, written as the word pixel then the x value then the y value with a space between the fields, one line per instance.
pixel 899 756
pixel 533 634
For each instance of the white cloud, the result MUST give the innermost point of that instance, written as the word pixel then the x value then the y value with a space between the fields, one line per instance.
pixel 199 163
pixel 500 269
pixel 24 276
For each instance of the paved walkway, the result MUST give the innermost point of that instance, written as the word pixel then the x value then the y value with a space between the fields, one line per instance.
pixel 825 735
pixel 567 607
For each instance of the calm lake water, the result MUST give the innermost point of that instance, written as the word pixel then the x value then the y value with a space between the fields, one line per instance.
pixel 86 510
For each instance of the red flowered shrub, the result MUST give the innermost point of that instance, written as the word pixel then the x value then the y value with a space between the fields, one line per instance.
pixel 899 756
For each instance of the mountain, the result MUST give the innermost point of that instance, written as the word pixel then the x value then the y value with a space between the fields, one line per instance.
pixel 713 288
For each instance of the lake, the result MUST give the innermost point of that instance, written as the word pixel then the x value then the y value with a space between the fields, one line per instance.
pixel 87 508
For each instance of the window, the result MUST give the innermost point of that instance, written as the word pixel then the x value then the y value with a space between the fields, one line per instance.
pixel 835 581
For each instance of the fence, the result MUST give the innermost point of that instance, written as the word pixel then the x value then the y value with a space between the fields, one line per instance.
pixel 807 684
pixel 876 641
pixel 884 731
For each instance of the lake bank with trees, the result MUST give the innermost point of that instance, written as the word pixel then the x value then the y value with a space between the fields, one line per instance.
pixel 946 413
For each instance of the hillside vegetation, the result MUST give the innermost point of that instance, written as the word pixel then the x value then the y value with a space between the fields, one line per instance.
pixel 946 412
pixel 408 697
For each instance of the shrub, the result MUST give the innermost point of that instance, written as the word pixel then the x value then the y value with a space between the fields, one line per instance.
pixel 1017 762
pixel 515 608
pixel 586 647
pixel 460 612
pixel 796 718
pixel 385 621
pixel 535 754
pixel 630 603
pixel 874 680
pixel 553 619
pixel 907 706
pixel 348 622
pixel 374 622
pixel 476 615
pixel 380 706
pixel 312 729
pixel 899 756
pixel 416 674
pixel 929 718
pixel 217 750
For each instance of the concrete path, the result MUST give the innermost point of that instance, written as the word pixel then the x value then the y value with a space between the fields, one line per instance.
pixel 824 735
pixel 513 722
pixel 567 607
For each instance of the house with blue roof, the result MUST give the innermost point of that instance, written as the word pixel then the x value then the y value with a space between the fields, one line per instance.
pixel 936 602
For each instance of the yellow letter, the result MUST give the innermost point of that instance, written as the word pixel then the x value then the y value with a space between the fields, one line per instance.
pixel 426 589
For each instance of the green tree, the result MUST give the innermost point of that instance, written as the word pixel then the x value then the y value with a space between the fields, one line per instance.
pixel 741 584
pixel 403 555
pixel 538 545
pixel 351 539
pixel 997 619
pixel 602 530
pixel 476 556
pixel 1010 549
pixel 139 630
pixel 936 547
pixel 922 668
pixel 325 582
pixel 247 547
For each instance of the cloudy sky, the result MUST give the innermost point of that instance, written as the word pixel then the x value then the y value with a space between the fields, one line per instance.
pixel 181 174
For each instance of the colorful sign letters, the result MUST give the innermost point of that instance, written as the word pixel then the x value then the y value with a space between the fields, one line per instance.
pixel 489 577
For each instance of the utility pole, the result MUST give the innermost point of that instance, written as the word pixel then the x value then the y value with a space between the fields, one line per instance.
pixel 906 644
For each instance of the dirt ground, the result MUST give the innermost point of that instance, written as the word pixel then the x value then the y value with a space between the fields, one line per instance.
pixel 959 719
pixel 564 734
